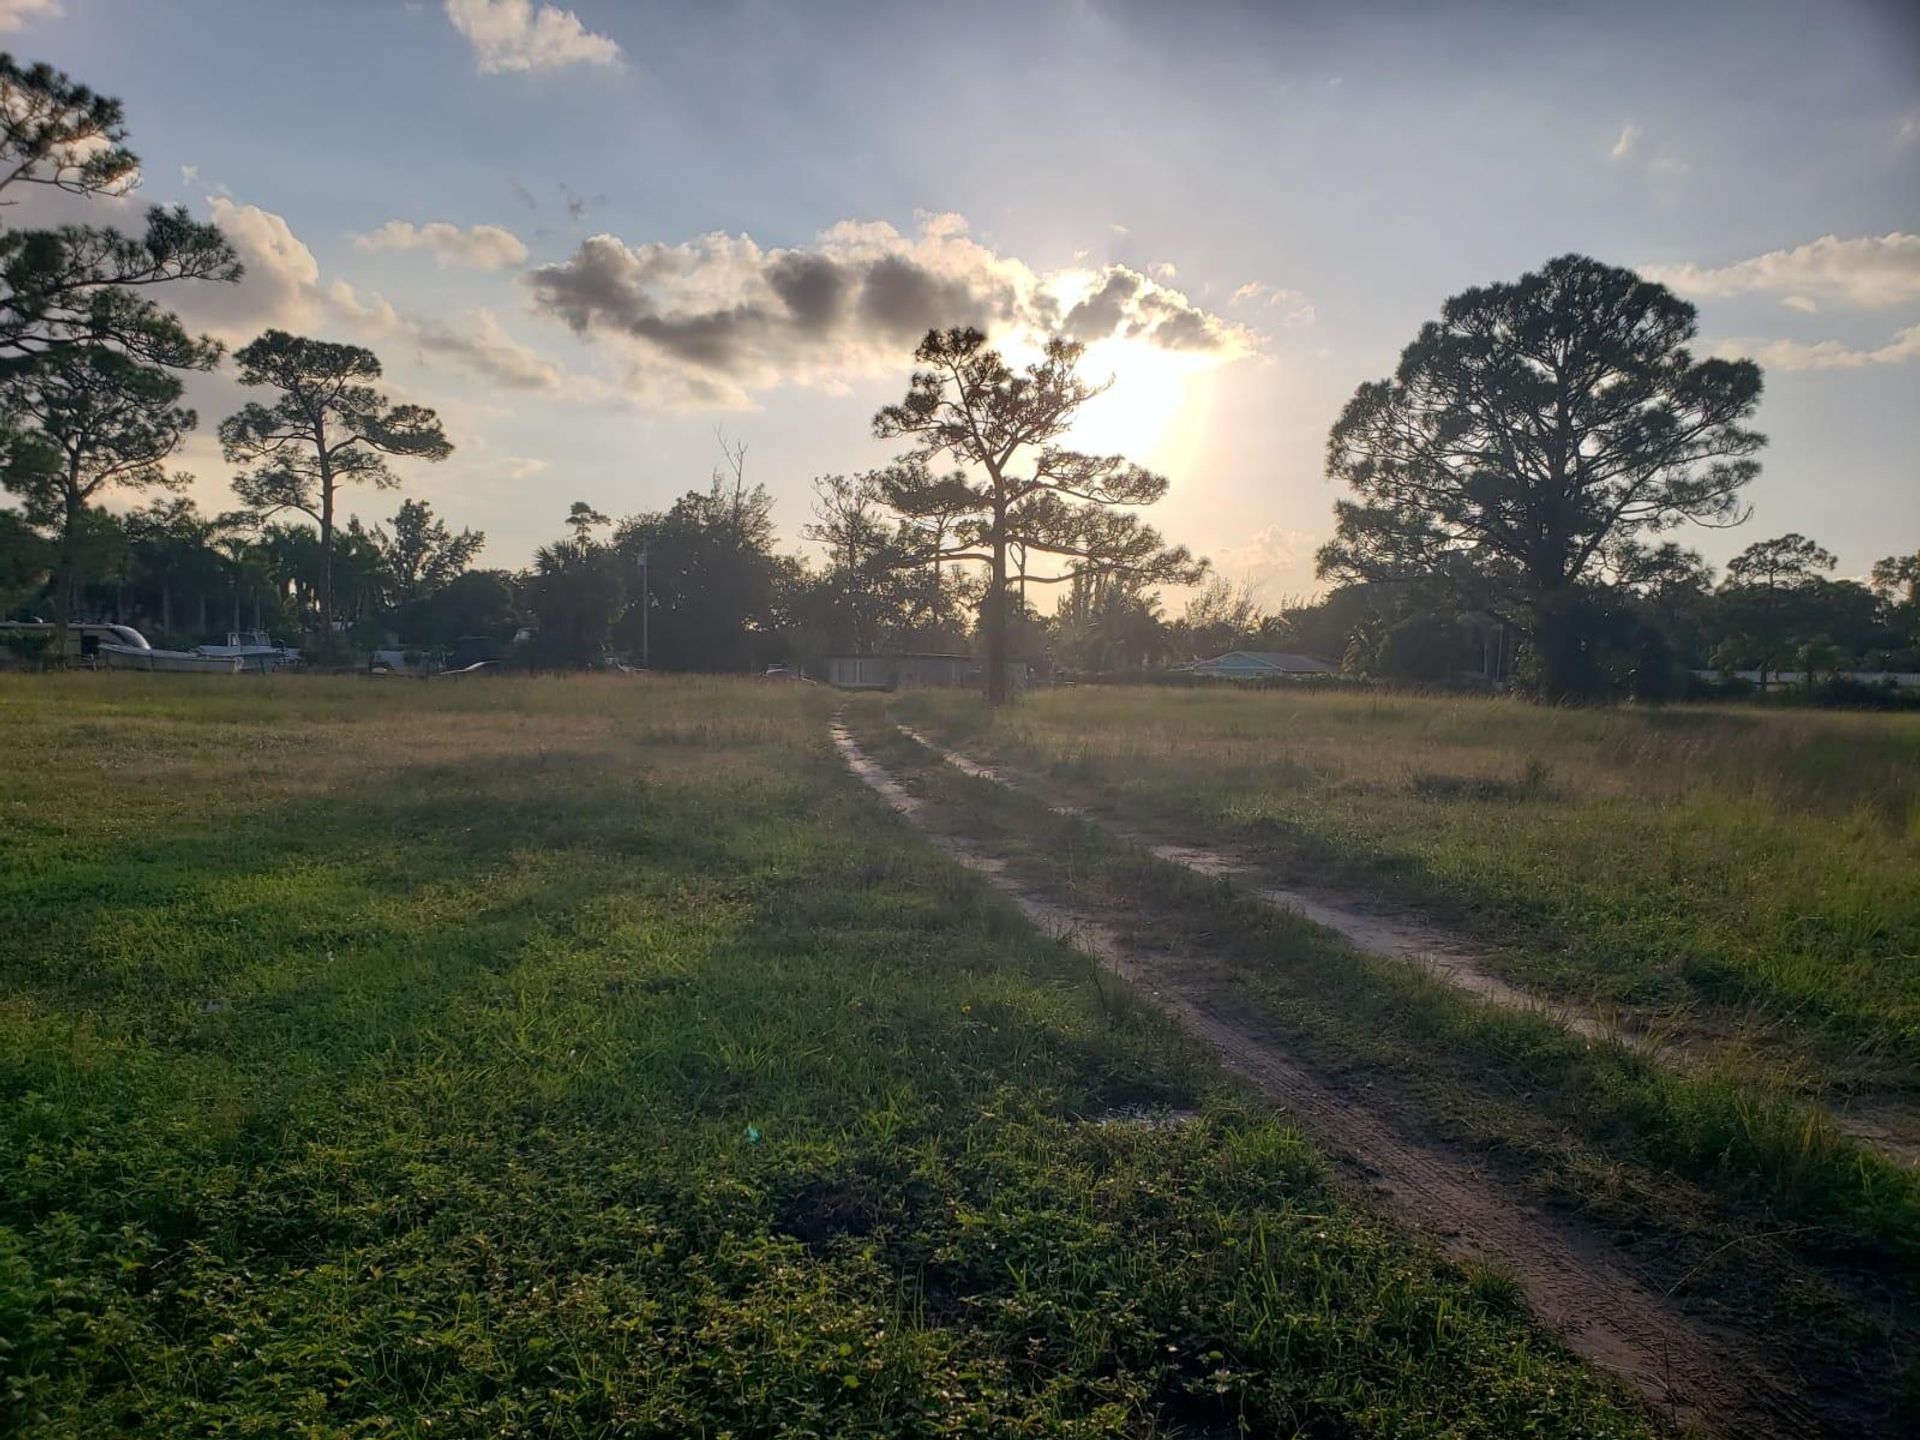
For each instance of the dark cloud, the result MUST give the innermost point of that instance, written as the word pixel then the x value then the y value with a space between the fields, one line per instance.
pixel 902 300
pixel 790 303
pixel 813 287
pixel 746 318
pixel 1105 311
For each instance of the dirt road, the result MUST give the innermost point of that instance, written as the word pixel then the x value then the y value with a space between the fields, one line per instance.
pixel 1571 1281
pixel 1888 1124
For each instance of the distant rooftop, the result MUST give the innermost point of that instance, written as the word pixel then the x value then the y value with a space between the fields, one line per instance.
pixel 1262 662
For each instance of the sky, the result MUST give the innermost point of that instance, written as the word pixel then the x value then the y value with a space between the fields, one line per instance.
pixel 593 234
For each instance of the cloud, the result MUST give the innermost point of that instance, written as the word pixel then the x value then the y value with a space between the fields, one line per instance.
pixel 17 14
pixel 480 344
pixel 1868 273
pixel 1295 308
pixel 484 247
pixel 517 35
pixel 1909 130
pixel 1634 153
pixel 282 288
pixel 1823 354
pixel 1275 563
pixel 706 321
pixel 475 341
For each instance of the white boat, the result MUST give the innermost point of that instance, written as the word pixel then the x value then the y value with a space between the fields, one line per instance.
pixel 117 655
pixel 121 647
pixel 255 650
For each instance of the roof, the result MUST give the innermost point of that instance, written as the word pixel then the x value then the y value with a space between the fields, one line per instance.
pixel 907 655
pixel 1262 662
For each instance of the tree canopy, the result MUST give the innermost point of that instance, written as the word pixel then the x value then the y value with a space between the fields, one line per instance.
pixel 329 426
pixel 1527 435
pixel 1017 486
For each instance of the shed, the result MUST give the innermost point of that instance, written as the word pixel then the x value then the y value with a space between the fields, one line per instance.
pixel 912 670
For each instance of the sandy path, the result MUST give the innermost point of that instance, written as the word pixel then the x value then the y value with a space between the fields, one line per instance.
pixel 1568 1277
pixel 1886 1124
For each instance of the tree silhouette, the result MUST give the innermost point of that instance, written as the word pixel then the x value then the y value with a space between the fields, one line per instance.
pixel 79 285
pixel 423 554
pixel 98 420
pixel 328 427
pixel 1763 581
pixel 1529 429
pixel 966 404
pixel 576 592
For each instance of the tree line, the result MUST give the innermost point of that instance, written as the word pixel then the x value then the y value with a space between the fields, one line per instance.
pixel 1509 487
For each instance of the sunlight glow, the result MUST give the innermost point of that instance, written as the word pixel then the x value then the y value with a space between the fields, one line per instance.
pixel 1156 410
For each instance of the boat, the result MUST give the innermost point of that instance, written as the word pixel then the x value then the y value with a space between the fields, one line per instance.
pixel 255 650
pixel 121 647
pixel 117 655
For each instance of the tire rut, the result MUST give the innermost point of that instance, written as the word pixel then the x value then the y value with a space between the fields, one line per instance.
pixel 1883 1125
pixel 1570 1280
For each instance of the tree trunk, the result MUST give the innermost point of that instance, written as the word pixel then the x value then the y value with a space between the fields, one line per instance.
pixel 326 569
pixel 1560 670
pixel 996 615
pixel 65 568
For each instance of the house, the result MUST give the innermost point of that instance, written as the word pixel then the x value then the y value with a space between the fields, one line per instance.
pixel 1259 665
pixel 912 670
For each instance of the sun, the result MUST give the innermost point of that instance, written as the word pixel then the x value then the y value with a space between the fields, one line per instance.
pixel 1155 409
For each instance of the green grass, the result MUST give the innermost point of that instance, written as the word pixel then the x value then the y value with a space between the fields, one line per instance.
pixel 1718 1183
pixel 592 1057
pixel 1757 873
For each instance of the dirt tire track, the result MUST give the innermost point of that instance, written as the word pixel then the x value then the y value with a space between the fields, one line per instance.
pixel 1570 1281
pixel 1884 1125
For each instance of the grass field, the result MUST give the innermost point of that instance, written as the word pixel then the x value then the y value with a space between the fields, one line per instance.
pixel 1754 875
pixel 593 1057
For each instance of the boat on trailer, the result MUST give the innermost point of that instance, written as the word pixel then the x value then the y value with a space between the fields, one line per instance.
pixel 121 647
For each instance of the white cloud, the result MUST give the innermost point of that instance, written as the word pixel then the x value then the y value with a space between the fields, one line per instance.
pixel 1635 153
pixel 1275 563
pixel 17 14
pixel 521 467
pixel 517 35
pixel 1823 354
pixel 705 322
pixel 282 289
pixel 1909 130
pixel 483 247
pixel 478 343
pixel 1871 272
pixel 1295 308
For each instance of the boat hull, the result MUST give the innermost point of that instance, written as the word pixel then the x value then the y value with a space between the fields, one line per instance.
pixel 183 662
